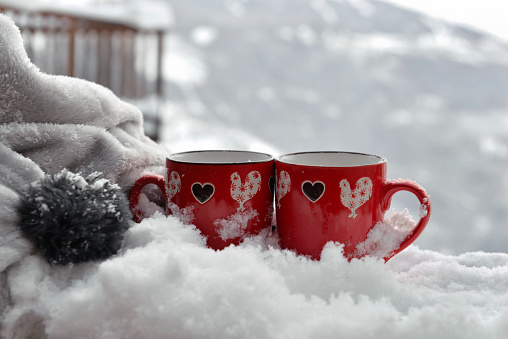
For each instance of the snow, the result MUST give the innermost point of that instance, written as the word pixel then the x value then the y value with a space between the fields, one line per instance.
pixel 167 284
pixel 486 15
pixel 386 236
pixel 235 226
pixel 148 14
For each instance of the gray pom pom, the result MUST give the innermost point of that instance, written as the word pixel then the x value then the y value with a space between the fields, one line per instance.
pixel 73 219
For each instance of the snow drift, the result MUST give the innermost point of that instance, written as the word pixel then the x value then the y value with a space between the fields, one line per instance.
pixel 167 284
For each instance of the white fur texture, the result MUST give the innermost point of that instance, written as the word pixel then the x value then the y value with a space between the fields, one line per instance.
pixel 48 123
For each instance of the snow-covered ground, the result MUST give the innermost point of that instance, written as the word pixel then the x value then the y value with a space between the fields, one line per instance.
pixel 428 96
pixel 167 284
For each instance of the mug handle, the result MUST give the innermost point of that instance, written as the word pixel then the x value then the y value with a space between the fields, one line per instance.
pixel 135 192
pixel 390 187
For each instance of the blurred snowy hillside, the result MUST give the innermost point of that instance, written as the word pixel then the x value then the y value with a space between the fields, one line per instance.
pixel 361 76
pixel 283 76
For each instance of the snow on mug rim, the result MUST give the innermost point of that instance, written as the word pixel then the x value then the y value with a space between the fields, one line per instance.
pixel 220 157
pixel 331 159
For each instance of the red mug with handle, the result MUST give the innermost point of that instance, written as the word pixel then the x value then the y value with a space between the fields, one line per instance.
pixel 336 196
pixel 228 195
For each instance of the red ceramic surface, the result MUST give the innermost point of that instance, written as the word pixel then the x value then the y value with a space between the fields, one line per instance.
pixel 227 193
pixel 335 196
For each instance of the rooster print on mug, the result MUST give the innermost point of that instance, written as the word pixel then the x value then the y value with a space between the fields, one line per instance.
pixel 358 197
pixel 283 185
pixel 242 192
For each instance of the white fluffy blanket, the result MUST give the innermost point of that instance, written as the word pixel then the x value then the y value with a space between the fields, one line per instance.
pixel 48 123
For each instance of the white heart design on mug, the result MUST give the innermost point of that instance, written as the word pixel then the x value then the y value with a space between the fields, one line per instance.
pixel 173 185
pixel 242 192
pixel 283 185
pixel 358 197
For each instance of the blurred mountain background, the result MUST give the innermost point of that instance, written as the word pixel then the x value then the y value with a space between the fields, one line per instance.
pixel 363 76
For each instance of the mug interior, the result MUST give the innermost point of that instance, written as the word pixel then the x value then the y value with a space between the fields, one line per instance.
pixel 331 159
pixel 220 157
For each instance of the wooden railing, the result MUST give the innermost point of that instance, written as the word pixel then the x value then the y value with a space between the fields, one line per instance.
pixel 126 59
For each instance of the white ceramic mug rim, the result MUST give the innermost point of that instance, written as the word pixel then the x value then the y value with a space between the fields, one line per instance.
pixel 335 159
pixel 214 157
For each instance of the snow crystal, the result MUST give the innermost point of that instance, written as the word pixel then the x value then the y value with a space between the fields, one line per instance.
pixel 99 183
pixel 386 236
pixel 147 207
pixel 234 226
pixel 422 209
pixel 77 180
pixel 111 208
pixel 43 207
pixel 185 214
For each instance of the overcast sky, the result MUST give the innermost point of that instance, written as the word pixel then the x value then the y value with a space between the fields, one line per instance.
pixel 488 15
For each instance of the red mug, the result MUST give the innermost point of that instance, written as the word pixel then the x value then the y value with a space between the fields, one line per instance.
pixel 336 196
pixel 227 195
